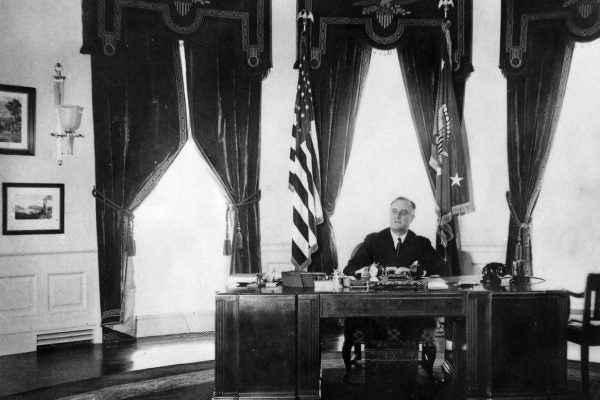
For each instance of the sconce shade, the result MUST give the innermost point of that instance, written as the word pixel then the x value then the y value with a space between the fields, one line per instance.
pixel 70 117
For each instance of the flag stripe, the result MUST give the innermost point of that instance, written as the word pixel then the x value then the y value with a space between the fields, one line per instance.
pixel 304 175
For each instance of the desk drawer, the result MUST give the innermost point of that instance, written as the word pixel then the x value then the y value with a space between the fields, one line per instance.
pixel 391 306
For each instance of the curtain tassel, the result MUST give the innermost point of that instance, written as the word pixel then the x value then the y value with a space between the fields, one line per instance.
pixel 238 239
pixel 239 244
pixel 227 241
pixel 522 254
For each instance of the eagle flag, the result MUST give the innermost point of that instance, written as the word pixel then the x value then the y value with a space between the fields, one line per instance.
pixel 449 154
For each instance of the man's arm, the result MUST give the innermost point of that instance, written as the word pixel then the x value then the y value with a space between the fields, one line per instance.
pixel 361 258
pixel 430 259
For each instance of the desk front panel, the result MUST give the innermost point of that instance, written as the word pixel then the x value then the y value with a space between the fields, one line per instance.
pixel 390 304
pixel 256 347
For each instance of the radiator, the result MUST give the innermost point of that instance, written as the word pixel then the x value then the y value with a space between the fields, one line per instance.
pixel 67 336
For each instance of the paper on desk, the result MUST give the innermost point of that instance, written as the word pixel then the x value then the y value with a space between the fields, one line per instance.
pixel 323 286
pixel 436 283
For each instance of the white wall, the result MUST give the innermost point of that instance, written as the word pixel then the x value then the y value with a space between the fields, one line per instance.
pixel 49 282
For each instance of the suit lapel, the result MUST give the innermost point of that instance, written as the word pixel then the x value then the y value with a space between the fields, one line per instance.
pixel 410 245
pixel 389 240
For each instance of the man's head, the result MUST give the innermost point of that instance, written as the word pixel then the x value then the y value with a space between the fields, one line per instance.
pixel 402 212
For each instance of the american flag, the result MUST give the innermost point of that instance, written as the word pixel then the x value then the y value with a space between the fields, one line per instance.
pixel 449 156
pixel 304 178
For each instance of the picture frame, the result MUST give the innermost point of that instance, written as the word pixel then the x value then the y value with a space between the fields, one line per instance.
pixel 17 120
pixel 33 208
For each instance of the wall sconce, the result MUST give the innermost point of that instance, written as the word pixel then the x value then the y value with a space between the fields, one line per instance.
pixel 68 116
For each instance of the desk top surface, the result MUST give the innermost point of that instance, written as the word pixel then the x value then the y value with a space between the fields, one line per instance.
pixel 457 285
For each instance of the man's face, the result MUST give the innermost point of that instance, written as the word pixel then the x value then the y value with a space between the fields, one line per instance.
pixel 401 215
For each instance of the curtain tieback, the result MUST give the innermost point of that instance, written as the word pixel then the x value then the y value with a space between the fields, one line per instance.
pixel 232 209
pixel 523 226
pixel 127 219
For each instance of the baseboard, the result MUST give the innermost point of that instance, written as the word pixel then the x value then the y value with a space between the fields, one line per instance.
pixel 15 343
pixel 174 324
pixel 25 342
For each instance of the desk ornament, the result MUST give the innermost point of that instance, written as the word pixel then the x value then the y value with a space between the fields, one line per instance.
pixel 373 272
pixel 336 278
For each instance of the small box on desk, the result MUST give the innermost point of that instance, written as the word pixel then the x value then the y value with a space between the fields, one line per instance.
pixel 291 279
pixel 299 279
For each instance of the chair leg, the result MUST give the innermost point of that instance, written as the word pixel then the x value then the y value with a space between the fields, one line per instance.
pixel 585 372
pixel 428 358
pixel 346 354
pixel 357 352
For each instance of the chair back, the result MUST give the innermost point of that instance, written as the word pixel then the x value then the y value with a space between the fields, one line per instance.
pixel 591 307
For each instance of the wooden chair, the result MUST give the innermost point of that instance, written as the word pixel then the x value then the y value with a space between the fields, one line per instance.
pixel 358 331
pixel 586 331
pixel 394 334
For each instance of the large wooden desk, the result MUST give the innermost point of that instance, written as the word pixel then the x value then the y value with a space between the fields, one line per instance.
pixel 510 343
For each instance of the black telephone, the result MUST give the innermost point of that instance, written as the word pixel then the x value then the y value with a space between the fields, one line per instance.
pixel 492 273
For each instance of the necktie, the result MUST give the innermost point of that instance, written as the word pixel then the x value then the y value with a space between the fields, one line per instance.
pixel 398 246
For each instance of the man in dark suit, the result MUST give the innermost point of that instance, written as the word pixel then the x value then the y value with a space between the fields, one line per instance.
pixel 396 246
pixel 397 249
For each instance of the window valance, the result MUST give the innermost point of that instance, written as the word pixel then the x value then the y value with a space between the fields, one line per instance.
pixel 390 24
pixel 577 19
pixel 244 25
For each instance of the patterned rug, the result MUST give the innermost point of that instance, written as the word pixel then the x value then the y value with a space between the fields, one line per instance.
pixel 195 381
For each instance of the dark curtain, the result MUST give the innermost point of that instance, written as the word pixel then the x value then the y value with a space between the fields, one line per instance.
pixel 139 128
pixel 534 97
pixel 337 86
pixel 419 62
pixel 225 100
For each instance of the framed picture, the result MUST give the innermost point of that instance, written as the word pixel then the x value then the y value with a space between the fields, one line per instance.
pixel 33 208
pixel 17 120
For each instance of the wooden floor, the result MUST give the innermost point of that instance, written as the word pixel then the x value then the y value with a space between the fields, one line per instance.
pixel 62 364
pixel 55 365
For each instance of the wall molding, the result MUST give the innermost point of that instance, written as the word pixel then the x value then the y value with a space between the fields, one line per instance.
pixel 49 253
pixel 21 291
pixel 478 255
pixel 48 294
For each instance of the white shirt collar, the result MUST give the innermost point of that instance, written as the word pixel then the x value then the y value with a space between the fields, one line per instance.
pixel 395 237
